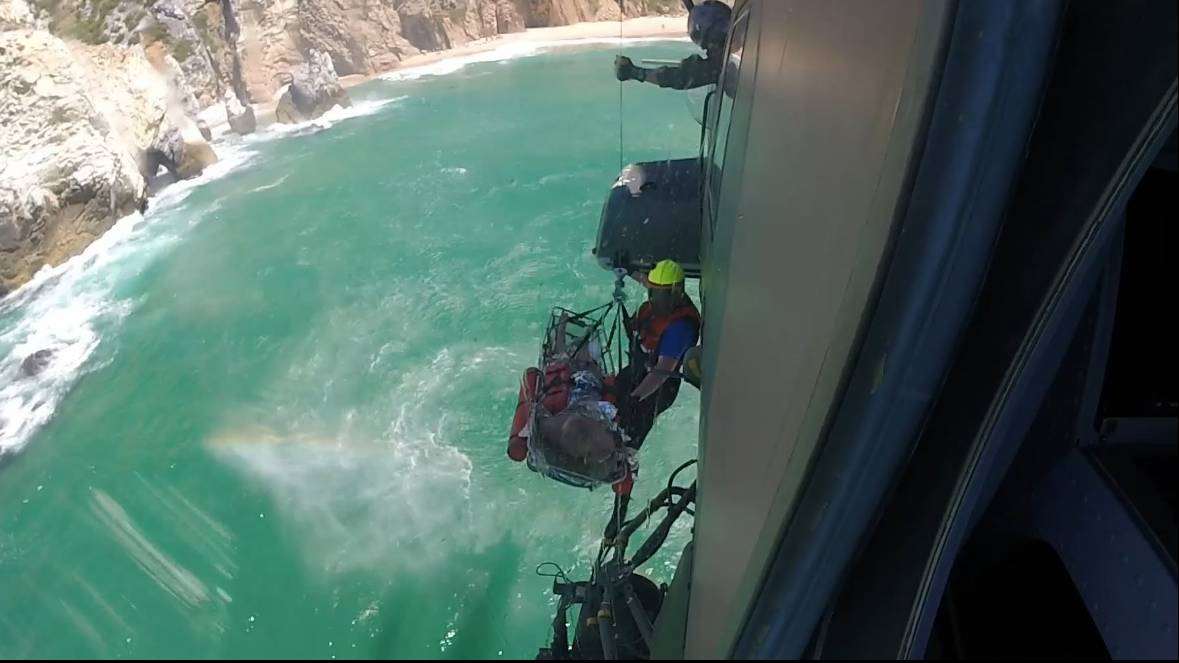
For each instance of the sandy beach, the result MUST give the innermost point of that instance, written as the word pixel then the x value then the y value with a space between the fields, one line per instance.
pixel 669 27
pixel 634 28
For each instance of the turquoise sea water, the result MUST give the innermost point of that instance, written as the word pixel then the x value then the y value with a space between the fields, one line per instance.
pixel 274 420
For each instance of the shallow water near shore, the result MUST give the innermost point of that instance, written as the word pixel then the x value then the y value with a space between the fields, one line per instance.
pixel 274 419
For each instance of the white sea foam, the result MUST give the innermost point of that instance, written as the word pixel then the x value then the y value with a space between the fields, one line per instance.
pixel 369 497
pixel 273 184
pixel 333 116
pixel 69 308
pixel 66 309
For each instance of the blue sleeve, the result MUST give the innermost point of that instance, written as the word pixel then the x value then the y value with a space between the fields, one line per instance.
pixel 677 339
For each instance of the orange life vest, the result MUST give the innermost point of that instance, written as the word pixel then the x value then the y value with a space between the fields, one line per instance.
pixel 651 326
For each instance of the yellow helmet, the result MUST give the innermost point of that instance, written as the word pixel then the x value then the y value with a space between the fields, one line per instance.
pixel 666 272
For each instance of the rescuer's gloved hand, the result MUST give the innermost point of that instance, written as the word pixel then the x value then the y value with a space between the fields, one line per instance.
pixel 625 70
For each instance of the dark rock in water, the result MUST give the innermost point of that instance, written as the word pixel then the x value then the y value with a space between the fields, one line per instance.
pixel 240 116
pixel 244 123
pixel 286 112
pixel 313 89
pixel 166 151
pixel 152 159
pixel 206 132
pixel 158 170
pixel 36 362
pixel 182 156
pixel 157 183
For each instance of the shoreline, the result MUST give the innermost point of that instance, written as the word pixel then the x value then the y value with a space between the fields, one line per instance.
pixel 643 27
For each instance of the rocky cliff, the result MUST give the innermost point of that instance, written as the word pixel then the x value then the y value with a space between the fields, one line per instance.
pixel 98 98
pixel 80 127
pixel 246 45
pixel 312 90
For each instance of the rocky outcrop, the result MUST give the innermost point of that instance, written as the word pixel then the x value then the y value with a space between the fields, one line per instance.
pixel 217 23
pixel 181 96
pixel 360 36
pixel 16 15
pixel 286 112
pixel 508 17
pixel 174 23
pixel 267 45
pixel 97 97
pixel 312 90
pixel 36 363
pixel 125 88
pixel 77 126
pixel 547 13
pixel 245 45
pixel 365 37
pixel 141 93
pixel 65 175
pixel 241 118
pixel 180 149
